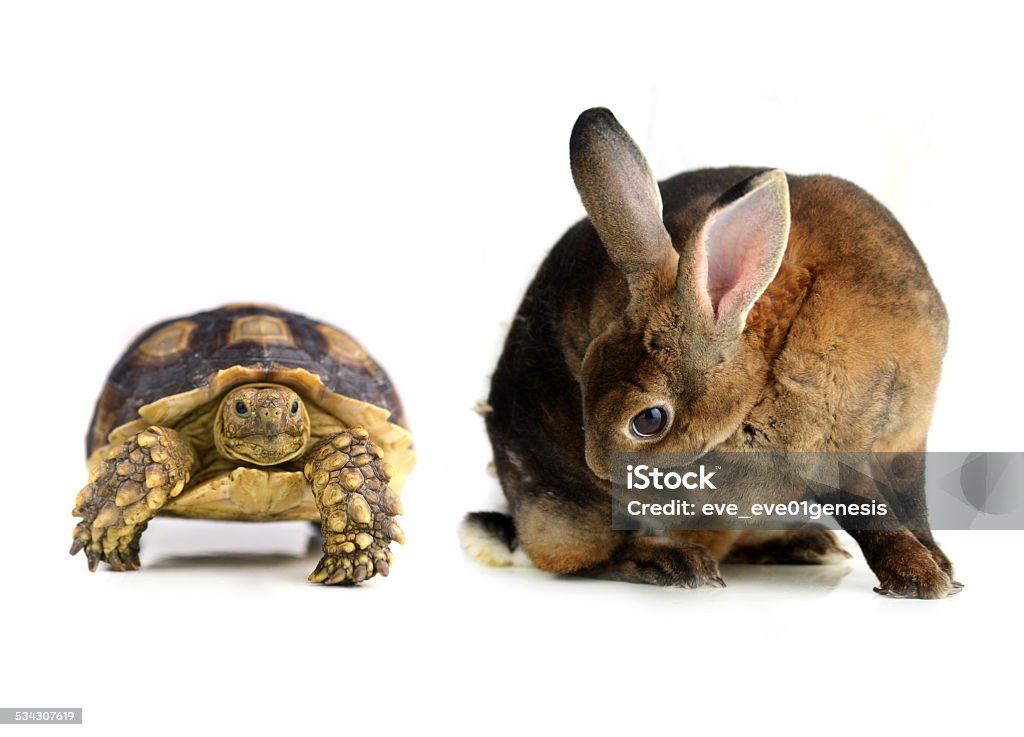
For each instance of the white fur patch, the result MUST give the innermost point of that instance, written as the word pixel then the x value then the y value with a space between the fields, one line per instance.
pixel 488 548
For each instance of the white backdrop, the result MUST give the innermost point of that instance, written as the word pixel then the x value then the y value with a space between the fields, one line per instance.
pixel 401 171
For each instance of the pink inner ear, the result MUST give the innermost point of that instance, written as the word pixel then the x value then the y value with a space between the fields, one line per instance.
pixel 739 251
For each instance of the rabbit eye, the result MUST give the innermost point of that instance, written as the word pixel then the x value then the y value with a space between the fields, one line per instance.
pixel 649 423
pixel 656 343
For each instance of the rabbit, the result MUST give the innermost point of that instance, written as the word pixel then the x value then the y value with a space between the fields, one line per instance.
pixel 726 309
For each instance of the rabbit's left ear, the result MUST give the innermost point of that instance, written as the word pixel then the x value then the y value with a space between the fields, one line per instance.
pixel 621 197
pixel 738 250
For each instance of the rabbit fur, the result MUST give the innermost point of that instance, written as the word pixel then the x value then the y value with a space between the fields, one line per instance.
pixel 760 311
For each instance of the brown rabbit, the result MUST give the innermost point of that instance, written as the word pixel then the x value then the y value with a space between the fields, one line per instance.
pixel 755 311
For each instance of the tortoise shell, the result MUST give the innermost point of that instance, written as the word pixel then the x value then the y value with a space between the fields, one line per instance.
pixel 181 364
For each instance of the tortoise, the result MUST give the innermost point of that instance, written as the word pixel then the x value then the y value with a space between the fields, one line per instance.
pixel 247 412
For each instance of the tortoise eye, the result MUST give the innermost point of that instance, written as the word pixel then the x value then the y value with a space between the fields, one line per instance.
pixel 240 408
pixel 295 406
pixel 649 423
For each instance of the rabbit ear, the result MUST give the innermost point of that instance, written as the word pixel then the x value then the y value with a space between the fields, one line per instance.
pixel 739 248
pixel 621 197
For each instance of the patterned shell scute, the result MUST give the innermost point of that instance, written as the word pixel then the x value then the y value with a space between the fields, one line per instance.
pixel 184 354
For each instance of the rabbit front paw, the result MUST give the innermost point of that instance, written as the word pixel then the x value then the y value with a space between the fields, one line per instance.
pixel 906 569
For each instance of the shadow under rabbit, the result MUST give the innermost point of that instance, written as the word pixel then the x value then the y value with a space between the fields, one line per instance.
pixel 784 575
pixel 800 579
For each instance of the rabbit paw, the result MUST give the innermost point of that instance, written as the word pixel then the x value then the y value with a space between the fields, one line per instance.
pixel 812 545
pixel 906 569
pixel 663 563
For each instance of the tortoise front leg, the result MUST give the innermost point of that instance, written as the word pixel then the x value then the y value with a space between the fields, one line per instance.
pixel 125 491
pixel 349 479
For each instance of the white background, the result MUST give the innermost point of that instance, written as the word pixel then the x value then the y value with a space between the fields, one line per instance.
pixel 401 172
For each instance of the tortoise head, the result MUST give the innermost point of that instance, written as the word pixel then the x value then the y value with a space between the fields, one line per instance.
pixel 263 424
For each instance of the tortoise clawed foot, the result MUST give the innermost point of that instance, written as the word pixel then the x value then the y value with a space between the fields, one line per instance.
pixel 123 553
pixel 352 568
pixel 125 491
pixel 349 479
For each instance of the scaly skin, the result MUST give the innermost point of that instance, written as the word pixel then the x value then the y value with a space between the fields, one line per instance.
pixel 125 491
pixel 357 507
